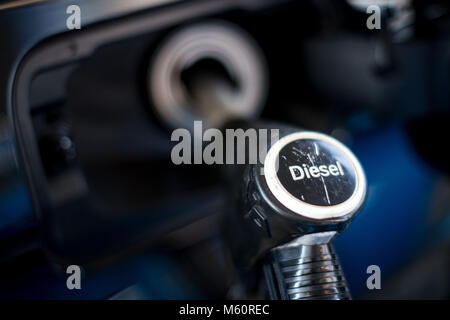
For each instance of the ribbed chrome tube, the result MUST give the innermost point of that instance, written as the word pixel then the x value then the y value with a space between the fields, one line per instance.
pixel 305 272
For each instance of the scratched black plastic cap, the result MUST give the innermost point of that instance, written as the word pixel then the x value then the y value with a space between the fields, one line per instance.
pixel 315 176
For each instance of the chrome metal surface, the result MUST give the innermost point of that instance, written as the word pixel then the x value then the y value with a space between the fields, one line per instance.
pixel 305 272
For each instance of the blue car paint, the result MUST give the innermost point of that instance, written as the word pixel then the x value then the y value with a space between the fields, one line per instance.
pixel 388 230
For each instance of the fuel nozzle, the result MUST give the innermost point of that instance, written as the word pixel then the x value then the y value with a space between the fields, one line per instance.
pixel 290 207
